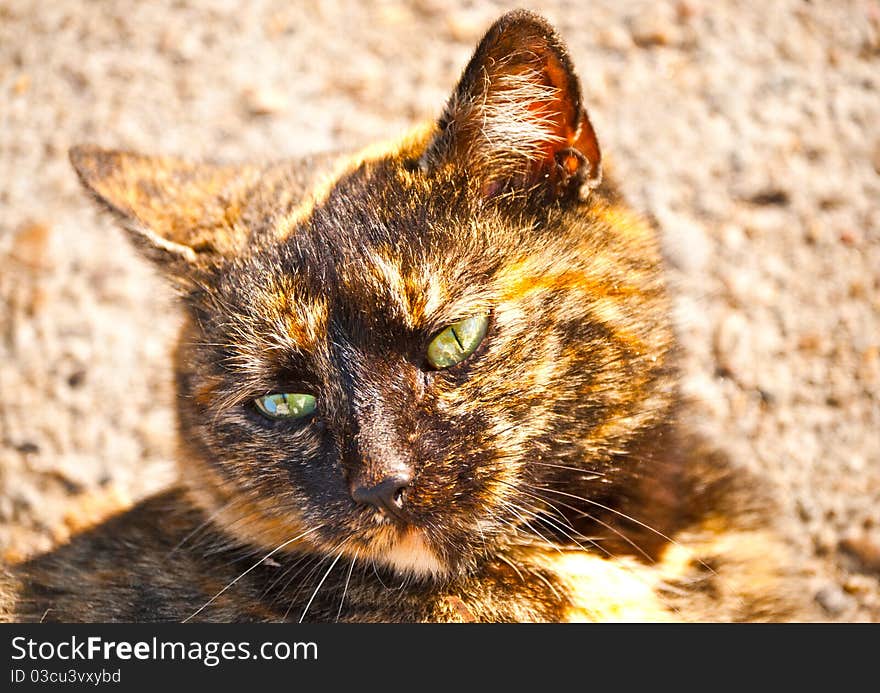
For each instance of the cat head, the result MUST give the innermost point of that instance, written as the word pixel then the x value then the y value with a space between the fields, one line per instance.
pixel 420 352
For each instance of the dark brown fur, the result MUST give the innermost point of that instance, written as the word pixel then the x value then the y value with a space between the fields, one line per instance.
pixel 551 479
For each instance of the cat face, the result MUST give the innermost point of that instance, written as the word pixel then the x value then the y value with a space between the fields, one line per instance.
pixel 418 353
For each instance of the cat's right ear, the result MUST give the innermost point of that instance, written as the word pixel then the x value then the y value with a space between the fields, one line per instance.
pixel 184 216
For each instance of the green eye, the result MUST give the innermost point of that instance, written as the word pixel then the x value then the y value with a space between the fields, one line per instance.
pixel 458 341
pixel 283 405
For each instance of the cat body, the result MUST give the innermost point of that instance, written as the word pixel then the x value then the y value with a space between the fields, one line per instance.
pixel 431 381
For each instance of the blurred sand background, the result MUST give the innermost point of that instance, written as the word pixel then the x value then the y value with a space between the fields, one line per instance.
pixel 748 130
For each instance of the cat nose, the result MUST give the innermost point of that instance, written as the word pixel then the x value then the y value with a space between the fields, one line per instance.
pixel 388 495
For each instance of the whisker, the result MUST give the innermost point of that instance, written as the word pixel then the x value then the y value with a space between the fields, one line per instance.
pixel 574 535
pixel 504 559
pixel 604 524
pixel 268 555
pixel 609 509
pixel 345 588
pixel 547 582
pixel 202 526
pixel 316 564
pixel 307 558
pixel 540 536
pixel 311 563
pixel 555 525
pixel 376 573
pixel 631 519
pixel 601 548
pixel 320 583
pixel 544 501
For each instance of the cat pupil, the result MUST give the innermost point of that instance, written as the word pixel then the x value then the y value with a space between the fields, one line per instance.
pixel 458 341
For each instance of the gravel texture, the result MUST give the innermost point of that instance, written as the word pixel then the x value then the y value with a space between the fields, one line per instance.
pixel 748 130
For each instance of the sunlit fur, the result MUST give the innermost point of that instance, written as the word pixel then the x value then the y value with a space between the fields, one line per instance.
pixel 574 366
pixel 550 470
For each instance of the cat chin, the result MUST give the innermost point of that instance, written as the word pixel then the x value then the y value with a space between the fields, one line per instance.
pixel 409 554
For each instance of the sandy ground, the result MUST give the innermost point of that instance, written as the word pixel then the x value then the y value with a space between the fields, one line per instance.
pixel 748 130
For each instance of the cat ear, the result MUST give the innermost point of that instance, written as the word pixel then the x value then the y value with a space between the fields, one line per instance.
pixel 181 215
pixel 515 121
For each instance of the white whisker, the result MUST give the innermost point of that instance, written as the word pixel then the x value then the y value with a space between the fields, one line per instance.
pixel 318 588
pixel 268 555
pixel 347 580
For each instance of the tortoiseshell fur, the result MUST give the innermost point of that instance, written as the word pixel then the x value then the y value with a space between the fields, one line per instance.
pixel 552 476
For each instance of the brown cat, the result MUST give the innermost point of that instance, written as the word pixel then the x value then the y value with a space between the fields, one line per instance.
pixel 433 381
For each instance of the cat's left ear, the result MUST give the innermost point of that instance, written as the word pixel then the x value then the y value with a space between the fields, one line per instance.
pixel 182 215
pixel 516 121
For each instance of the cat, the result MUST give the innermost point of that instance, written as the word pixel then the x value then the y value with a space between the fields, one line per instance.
pixel 433 380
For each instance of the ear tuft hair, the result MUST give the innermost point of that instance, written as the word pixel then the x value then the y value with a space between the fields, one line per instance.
pixel 515 120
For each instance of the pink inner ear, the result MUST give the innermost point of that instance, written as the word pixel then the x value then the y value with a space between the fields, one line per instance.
pixel 515 121
pixel 572 126
pixel 562 110
pixel 570 151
